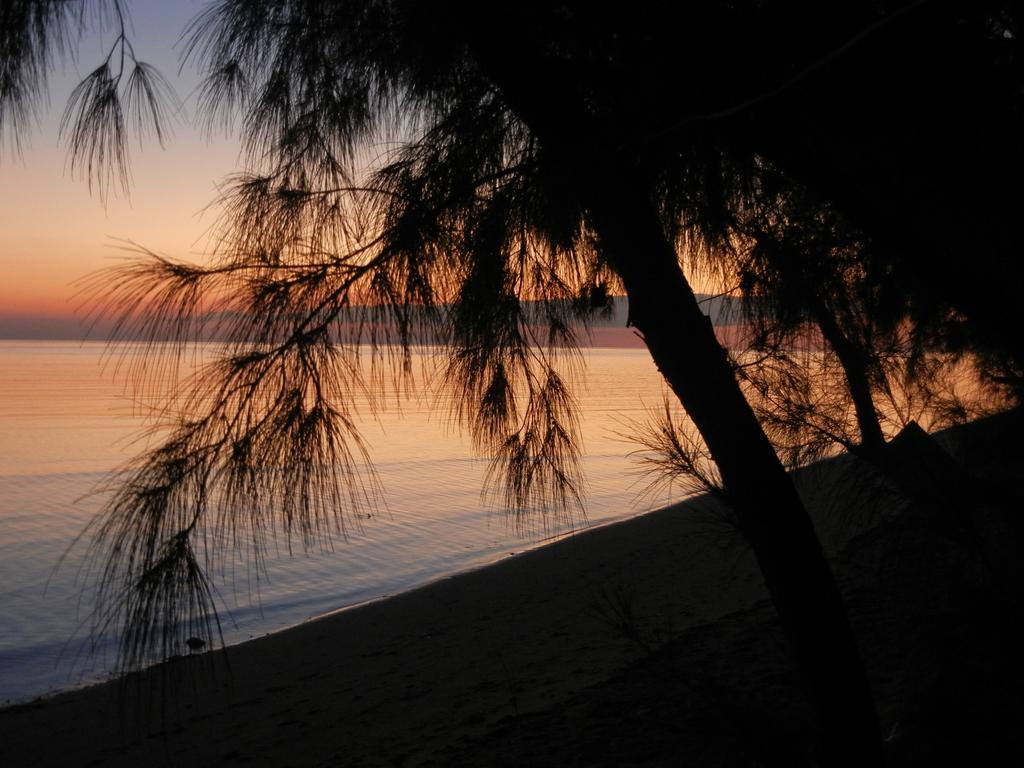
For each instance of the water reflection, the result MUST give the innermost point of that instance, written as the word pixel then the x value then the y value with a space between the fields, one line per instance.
pixel 65 423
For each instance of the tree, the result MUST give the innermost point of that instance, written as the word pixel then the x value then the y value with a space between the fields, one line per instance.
pixel 838 359
pixel 908 129
pixel 540 163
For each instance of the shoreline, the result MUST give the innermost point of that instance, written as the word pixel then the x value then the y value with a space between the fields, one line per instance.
pixel 547 597
pixel 112 678
pixel 431 520
pixel 547 541
pixel 644 641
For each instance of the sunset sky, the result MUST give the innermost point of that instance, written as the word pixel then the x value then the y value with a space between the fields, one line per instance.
pixel 54 230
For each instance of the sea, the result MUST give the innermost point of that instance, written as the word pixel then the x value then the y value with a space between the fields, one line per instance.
pixel 70 416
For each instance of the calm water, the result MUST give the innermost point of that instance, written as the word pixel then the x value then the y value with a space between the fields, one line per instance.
pixel 65 422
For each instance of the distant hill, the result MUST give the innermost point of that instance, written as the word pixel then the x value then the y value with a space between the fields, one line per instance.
pixel 723 310
pixel 45 328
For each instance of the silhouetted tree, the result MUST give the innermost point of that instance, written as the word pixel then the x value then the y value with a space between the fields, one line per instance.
pixel 800 269
pixel 541 158
pixel 838 359
pixel 909 129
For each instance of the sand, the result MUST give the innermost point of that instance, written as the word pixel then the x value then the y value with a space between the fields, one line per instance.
pixel 646 642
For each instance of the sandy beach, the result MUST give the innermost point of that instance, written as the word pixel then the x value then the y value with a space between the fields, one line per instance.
pixel 646 642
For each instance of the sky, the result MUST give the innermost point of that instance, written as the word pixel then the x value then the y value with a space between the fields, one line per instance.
pixel 54 230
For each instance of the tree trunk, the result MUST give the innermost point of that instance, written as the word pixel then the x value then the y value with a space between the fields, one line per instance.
pixel 544 95
pixel 855 363
pixel 681 340
pixel 854 360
